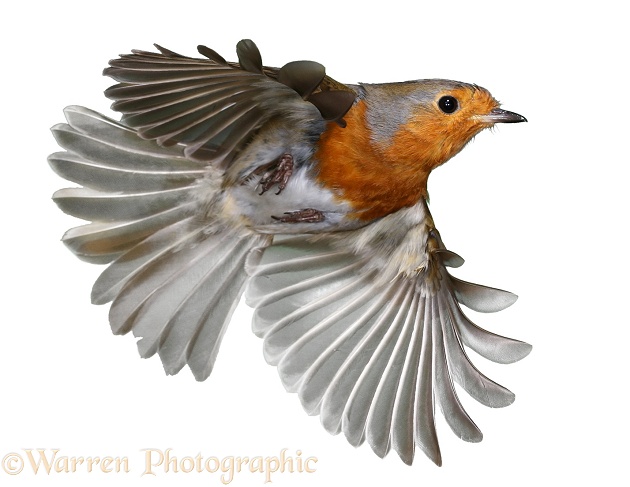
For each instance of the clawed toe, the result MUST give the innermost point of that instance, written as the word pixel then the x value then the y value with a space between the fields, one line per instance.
pixel 279 175
pixel 307 215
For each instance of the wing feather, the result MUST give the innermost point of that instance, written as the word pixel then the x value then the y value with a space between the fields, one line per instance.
pixel 372 357
pixel 484 390
pixel 413 392
pixel 380 416
pixel 212 107
pixel 425 433
pixel 453 411
pixel 347 355
pixel 346 406
pixel 480 298
pixel 494 347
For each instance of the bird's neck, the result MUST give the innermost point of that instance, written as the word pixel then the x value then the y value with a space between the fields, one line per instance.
pixel 376 179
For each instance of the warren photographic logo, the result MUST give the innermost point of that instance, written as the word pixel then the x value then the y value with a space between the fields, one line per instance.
pixel 155 461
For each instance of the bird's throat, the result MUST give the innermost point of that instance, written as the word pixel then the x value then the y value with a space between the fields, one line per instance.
pixel 375 179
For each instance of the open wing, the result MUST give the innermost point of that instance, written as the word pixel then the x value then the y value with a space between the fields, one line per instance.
pixel 213 107
pixel 374 357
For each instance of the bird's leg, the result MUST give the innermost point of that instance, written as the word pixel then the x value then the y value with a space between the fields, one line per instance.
pixel 277 173
pixel 307 215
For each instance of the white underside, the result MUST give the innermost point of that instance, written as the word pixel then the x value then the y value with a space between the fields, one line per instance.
pixel 302 192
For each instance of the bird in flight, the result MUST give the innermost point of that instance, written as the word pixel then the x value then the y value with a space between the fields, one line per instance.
pixel 308 195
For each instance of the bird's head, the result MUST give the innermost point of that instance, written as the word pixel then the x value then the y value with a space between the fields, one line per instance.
pixel 434 119
pixel 396 134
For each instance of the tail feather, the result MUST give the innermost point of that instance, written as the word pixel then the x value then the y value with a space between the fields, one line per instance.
pixel 129 264
pixel 176 275
pixel 181 279
pixel 108 142
pixel 155 274
pixel 194 326
pixel 103 177
pixel 204 346
pixel 102 242
pixel 92 205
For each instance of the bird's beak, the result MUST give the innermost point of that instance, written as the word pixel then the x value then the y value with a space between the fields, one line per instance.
pixel 498 115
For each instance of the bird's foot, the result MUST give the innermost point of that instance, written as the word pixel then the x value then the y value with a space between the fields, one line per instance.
pixel 307 215
pixel 278 172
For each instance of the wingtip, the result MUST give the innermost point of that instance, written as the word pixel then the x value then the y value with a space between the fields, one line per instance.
pixel 56 129
pixel 516 351
pixel 99 294
pixel 477 438
pixel 249 56
pixel 524 349
pixel 211 54
pixel 378 450
pixel 483 299
pixel 73 108
pixel 67 113
pixel 406 458
pixel 434 455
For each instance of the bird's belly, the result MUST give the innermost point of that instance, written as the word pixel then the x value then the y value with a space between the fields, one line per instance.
pixel 263 211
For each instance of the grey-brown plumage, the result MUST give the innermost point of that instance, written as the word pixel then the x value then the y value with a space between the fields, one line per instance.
pixel 359 314
pixel 210 106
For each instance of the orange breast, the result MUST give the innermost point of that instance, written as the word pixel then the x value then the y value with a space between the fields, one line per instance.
pixel 375 180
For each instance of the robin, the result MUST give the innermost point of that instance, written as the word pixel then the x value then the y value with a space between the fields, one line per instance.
pixel 311 195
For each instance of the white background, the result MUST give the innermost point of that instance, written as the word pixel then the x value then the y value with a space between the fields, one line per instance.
pixel 538 209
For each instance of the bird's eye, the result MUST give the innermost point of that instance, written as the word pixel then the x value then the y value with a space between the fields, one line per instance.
pixel 448 104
